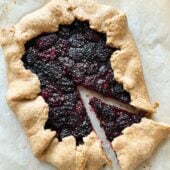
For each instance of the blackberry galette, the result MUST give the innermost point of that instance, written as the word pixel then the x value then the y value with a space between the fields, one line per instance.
pixel 64 45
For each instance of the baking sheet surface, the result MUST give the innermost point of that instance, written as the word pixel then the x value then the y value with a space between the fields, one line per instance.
pixel 150 25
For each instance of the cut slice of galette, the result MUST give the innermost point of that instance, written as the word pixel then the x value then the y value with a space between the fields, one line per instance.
pixel 133 136
pixel 52 51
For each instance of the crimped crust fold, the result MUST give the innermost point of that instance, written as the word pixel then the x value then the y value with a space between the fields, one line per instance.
pixel 138 142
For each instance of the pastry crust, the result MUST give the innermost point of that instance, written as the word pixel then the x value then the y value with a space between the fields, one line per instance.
pixel 138 143
pixel 24 86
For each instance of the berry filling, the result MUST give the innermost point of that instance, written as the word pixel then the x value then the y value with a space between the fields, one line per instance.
pixel 112 119
pixel 74 55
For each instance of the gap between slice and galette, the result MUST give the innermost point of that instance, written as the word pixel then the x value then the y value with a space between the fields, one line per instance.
pixel 86 96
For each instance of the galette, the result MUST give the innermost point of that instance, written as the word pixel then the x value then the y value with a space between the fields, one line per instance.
pixel 60 47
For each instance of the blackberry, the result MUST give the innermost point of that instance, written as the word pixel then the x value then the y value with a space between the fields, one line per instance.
pixel 44 41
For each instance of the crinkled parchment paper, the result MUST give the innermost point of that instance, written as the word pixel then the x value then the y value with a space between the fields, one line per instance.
pixel 150 24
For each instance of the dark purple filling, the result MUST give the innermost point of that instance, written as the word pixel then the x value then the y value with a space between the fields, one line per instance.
pixel 112 119
pixel 74 55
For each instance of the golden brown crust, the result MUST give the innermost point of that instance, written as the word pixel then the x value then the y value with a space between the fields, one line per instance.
pixel 24 86
pixel 95 157
pixel 138 143
pixel 65 155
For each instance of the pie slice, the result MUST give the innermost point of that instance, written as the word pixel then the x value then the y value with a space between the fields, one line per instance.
pixel 52 51
pixel 113 119
pixel 129 133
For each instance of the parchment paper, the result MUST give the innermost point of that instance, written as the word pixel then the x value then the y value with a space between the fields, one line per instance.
pixel 150 24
